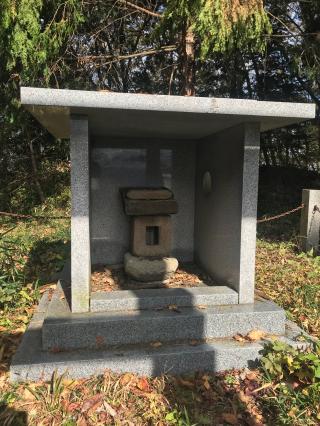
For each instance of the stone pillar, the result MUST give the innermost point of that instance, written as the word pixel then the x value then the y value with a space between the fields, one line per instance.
pixel 249 195
pixel 80 216
pixel 310 220
pixel 226 209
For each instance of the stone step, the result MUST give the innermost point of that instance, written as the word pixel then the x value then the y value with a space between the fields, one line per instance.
pixel 32 363
pixel 161 298
pixel 170 359
pixel 63 331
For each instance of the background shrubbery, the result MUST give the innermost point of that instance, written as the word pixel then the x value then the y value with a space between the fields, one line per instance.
pixel 128 47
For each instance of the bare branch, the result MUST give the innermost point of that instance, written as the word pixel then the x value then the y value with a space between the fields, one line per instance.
pixel 141 9
pixel 174 67
pixel 293 35
pixel 113 58
pixel 281 22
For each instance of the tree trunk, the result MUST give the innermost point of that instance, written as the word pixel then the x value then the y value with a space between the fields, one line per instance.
pixel 188 62
pixel 35 173
pixel 273 156
pixel 264 151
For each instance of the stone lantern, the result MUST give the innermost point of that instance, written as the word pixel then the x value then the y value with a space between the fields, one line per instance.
pixel 150 210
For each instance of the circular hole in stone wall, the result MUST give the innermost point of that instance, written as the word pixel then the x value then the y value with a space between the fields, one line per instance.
pixel 207 183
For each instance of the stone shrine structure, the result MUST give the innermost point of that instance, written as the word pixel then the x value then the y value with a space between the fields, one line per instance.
pixel 149 259
pixel 204 150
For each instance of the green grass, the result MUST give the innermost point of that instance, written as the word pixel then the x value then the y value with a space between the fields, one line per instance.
pixel 31 252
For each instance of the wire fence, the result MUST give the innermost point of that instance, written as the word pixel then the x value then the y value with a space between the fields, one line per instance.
pixel 280 215
pixel 37 217
pixel 29 216
pixel 18 216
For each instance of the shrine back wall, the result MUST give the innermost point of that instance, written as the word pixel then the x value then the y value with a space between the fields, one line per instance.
pixel 117 163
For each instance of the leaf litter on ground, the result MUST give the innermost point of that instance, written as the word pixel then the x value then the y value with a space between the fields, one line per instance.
pixel 245 396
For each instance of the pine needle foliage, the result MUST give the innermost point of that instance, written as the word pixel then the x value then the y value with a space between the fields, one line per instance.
pixel 32 33
pixel 221 25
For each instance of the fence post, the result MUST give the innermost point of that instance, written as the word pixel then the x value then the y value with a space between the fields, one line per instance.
pixel 310 220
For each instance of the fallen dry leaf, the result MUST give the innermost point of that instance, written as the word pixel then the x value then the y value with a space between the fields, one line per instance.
pixel 73 406
pixel 82 421
pixel 23 318
pixel 230 418
pixel 174 308
pixel 201 306
pixel 293 412
pixel 19 330
pixel 28 395
pixel 109 409
pixel 104 417
pixel 156 344
pixel 186 383
pixel 47 287
pixel 252 375
pixel 66 393
pixel 69 383
pixel 93 402
pixel 143 384
pixel 32 412
pixel 206 383
pixel 239 338
pixel 254 335
pixel 294 385
pixel 244 398
pixel 126 379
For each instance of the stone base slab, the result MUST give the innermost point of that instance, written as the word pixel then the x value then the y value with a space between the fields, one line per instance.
pixel 162 298
pixel 63 330
pixel 32 363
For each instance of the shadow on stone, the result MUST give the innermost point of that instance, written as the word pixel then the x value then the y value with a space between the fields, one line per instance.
pixel 148 342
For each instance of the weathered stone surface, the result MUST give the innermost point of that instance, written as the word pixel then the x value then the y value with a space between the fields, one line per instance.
pixel 149 194
pixel 110 227
pixel 150 207
pixel 225 219
pixel 142 269
pixel 80 214
pixel 64 330
pixel 310 221
pixel 162 298
pixel 31 363
pixel 156 116
pixel 141 246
